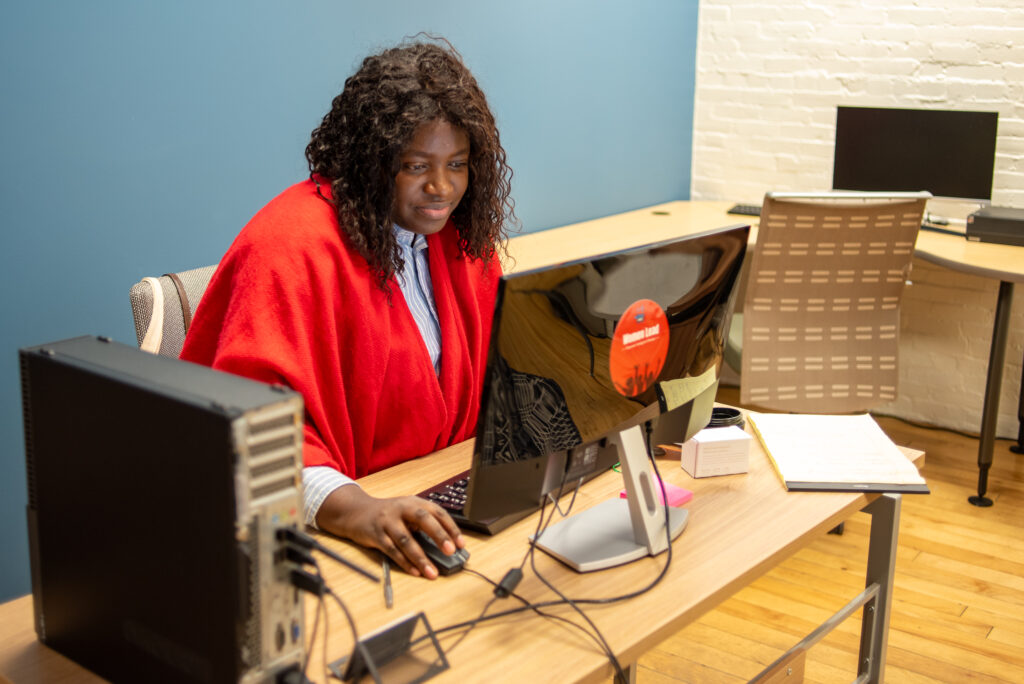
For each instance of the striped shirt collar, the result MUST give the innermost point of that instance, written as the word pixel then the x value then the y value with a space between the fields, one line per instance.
pixel 409 240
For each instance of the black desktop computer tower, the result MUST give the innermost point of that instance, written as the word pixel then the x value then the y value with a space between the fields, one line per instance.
pixel 155 489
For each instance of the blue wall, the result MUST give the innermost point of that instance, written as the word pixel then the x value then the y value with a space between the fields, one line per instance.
pixel 138 138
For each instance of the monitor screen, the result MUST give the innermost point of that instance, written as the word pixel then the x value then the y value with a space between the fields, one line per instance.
pixel 948 153
pixel 583 349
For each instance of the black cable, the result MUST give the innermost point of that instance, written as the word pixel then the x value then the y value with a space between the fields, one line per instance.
pixel 501 591
pixel 527 605
pixel 620 675
pixel 348 614
pixel 572 501
pixel 367 658
pixel 327 633
pixel 512 578
pixel 312 636
pixel 542 525
pixel 574 603
pixel 312 583
pixel 324 589
pixel 474 622
pixel 468 625
pixel 295 536
pixel 668 536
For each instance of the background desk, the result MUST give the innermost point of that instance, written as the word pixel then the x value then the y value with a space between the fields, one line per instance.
pixel 1005 263
pixel 1001 262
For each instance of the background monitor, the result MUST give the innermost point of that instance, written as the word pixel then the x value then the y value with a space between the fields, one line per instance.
pixel 948 153
pixel 582 350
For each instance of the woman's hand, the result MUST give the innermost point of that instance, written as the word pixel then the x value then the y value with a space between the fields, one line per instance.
pixel 388 524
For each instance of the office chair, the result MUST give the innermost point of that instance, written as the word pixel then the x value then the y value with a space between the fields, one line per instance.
pixel 163 308
pixel 819 329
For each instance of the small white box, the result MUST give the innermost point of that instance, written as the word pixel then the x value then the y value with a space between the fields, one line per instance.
pixel 716 451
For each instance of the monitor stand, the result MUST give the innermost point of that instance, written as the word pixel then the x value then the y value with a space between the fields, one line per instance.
pixel 617 531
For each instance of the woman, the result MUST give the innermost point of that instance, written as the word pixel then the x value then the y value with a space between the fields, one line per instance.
pixel 369 288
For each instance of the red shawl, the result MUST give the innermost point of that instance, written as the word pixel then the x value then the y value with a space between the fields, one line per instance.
pixel 293 303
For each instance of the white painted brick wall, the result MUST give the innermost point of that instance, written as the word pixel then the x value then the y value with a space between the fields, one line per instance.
pixel 769 77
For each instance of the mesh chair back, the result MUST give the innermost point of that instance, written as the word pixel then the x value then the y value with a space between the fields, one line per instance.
pixel 822 305
pixel 163 308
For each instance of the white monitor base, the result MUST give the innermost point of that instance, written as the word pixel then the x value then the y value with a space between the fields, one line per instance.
pixel 602 537
pixel 617 531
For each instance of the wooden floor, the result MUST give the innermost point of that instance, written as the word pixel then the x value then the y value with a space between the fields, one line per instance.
pixel 958 604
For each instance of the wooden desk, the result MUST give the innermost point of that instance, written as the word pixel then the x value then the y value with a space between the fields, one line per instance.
pixel 740 527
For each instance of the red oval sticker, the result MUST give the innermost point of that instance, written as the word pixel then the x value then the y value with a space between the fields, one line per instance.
pixel 639 347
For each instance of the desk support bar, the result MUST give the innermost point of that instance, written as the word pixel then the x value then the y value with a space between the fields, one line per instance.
pixel 868 596
pixel 876 599
pixel 993 385
pixel 874 634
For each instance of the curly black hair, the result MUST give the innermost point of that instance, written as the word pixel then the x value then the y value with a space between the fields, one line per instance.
pixel 358 144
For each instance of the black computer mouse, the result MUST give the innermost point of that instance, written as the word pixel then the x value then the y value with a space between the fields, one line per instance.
pixel 445 564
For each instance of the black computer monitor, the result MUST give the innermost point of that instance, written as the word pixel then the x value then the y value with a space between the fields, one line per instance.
pixel 581 352
pixel 948 153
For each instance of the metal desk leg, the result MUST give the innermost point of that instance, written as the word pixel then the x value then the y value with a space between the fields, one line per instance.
pixel 990 412
pixel 874 632
pixel 876 600
pixel 1018 448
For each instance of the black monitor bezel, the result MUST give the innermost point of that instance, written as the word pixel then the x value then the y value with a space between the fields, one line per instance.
pixel 513 481
pixel 916 149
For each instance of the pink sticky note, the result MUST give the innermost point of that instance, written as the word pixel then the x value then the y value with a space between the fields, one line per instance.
pixel 677 496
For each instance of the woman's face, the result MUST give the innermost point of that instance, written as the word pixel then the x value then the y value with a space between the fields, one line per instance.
pixel 432 177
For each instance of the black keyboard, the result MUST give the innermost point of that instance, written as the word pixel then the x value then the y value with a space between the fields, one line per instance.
pixel 451 496
pixel 746 209
pixel 942 229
